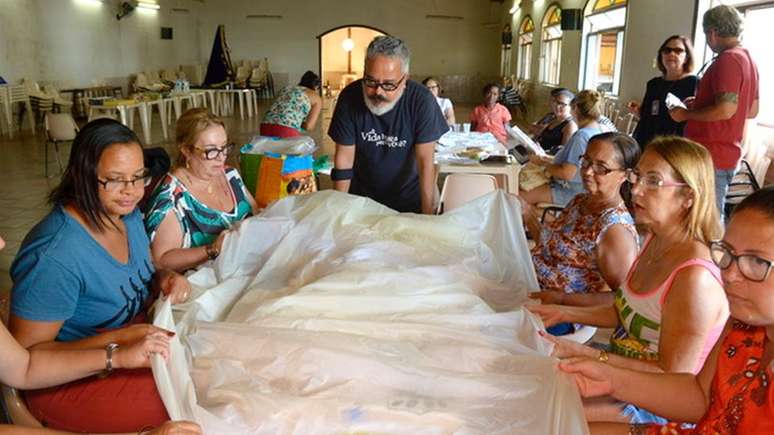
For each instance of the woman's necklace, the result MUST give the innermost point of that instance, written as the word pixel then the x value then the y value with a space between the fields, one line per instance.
pixel 190 178
pixel 653 257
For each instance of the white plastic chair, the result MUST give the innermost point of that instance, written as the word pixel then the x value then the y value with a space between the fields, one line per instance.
pixel 459 189
pixel 60 127
pixel 18 94
pixel 243 76
pixel 582 334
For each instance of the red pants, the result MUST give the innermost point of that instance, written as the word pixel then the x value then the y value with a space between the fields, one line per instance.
pixel 125 401
pixel 276 130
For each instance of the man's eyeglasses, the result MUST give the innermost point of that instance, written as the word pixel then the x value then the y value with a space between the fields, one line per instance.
pixel 215 153
pixel 597 168
pixel 649 181
pixel 386 86
pixel 750 266
pixel 559 103
pixel 112 185
pixel 675 50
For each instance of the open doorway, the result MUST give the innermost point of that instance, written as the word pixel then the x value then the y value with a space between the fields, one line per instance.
pixel 342 54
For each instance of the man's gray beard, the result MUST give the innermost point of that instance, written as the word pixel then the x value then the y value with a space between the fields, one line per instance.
pixel 384 108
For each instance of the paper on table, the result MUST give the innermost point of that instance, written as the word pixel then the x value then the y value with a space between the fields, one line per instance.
pixel 522 138
pixel 671 101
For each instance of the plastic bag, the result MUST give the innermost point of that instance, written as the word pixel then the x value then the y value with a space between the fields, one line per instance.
pixel 299 145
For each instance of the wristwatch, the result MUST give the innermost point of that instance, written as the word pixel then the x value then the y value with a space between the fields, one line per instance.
pixel 109 350
pixel 212 252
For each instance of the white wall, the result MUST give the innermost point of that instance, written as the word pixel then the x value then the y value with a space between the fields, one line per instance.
pixel 439 47
pixel 75 42
pixel 649 23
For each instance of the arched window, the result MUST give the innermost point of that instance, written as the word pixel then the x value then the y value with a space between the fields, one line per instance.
pixel 603 31
pixel 551 45
pixel 525 47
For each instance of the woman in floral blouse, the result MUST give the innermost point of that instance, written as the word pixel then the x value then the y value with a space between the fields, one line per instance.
pixel 587 250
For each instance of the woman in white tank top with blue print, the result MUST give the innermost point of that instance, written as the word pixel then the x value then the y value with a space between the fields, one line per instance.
pixel 639 312
pixel 671 308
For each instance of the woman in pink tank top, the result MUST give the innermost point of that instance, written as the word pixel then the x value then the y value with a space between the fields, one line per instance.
pixel 733 392
pixel 671 308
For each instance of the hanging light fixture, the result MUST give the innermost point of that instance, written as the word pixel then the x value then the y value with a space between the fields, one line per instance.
pixel 348 44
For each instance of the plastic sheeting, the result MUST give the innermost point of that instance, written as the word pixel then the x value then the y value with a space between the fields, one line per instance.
pixel 331 314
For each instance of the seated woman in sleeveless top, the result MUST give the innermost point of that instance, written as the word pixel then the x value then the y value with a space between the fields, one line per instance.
pixel 564 167
pixel 670 309
pixel 83 280
pixel 295 110
pixel 445 104
pixel 586 251
pixel 560 126
pixel 733 392
pixel 189 211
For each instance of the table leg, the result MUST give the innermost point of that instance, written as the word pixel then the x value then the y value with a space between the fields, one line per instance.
pixel 163 116
pixel 145 123
pixel 122 116
pixel 178 103
pixel 241 97
pixel 513 179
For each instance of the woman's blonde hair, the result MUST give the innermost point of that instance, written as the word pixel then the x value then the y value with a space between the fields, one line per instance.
pixel 692 164
pixel 189 127
pixel 586 102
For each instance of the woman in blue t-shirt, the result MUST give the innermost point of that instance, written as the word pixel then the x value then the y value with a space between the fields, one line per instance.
pixel 83 278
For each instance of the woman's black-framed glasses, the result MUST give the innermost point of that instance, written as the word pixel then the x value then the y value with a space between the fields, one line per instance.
pixel 215 153
pixel 597 168
pixel 112 185
pixel 386 86
pixel 750 266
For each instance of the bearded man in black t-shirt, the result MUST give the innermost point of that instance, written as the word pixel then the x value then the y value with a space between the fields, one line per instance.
pixel 385 127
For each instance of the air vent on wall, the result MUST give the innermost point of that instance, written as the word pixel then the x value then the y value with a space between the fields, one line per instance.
pixel 444 17
pixel 263 17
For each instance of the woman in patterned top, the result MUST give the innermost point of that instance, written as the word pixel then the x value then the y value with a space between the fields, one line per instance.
pixel 189 211
pixel 670 309
pixel 295 110
pixel 587 250
pixel 733 393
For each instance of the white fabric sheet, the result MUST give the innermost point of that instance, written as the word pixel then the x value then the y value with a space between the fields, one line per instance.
pixel 331 314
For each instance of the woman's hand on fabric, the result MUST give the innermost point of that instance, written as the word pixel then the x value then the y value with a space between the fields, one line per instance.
pixel 564 348
pixel 549 314
pixel 133 333
pixel 593 378
pixel 175 286
pixel 218 243
pixel 138 353
pixel 176 428
pixel 549 296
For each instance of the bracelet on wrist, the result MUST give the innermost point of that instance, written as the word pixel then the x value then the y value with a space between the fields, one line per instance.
pixel 211 251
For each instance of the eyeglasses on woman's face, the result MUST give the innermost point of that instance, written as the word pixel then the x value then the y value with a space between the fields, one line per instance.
pixel 115 184
pixel 596 167
pixel 649 181
pixel 211 152
pixel 751 267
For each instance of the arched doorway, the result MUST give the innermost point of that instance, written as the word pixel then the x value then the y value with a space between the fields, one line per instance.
pixel 342 54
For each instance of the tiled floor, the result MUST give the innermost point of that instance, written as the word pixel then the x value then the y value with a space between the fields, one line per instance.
pixel 24 189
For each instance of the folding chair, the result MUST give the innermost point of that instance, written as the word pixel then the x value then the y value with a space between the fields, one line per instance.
pixel 60 127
